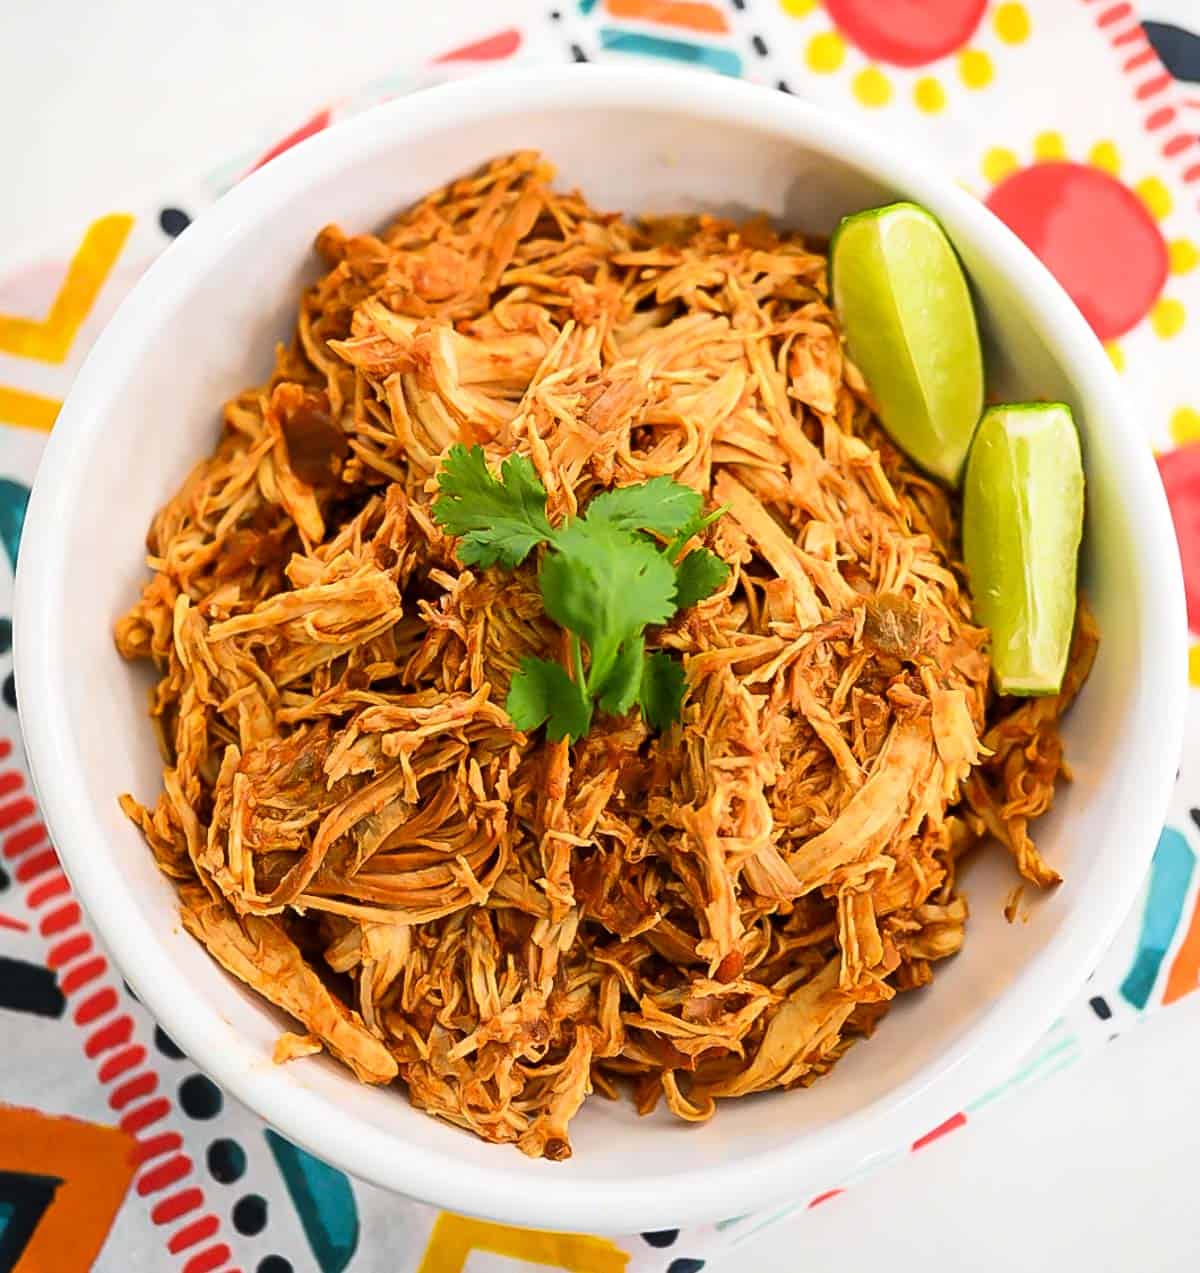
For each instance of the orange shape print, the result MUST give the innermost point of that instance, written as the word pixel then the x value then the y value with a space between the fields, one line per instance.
pixel 62 1183
pixel 691 15
pixel 49 339
pixel 27 410
pixel 455 1237
pixel 1184 976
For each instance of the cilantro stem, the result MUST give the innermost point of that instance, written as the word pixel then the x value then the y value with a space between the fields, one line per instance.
pixel 577 662
pixel 690 531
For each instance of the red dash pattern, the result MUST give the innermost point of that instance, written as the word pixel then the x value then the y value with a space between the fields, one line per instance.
pixel 58 886
pixel 178 1204
pixel 1120 26
pixel 146 1114
pixel 943 1129
pixel 23 840
pixel 133 1089
pixel 82 973
pixel 210 1258
pixel 37 865
pixel 60 920
pixel 156 1146
pixel 164 1175
pixel 16 811
pixel 192 1233
pixel 502 44
pixel 65 951
pixel 124 1060
pixel 309 128
pixel 96 1005
pixel 112 1035
pixel 73 956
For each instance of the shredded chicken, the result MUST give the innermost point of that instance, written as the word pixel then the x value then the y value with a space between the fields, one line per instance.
pixel 500 922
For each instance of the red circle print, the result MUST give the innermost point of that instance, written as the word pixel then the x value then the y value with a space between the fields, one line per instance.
pixel 906 32
pixel 1096 236
pixel 1180 471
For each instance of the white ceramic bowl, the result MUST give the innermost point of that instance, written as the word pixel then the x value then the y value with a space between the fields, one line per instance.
pixel 202 324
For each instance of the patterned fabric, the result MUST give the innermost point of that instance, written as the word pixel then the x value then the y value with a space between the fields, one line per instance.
pixel 115 1152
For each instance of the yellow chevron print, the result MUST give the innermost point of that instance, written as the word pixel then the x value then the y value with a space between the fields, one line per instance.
pixel 27 410
pixel 49 339
pixel 455 1237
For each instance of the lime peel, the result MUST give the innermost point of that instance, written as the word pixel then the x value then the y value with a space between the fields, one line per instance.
pixel 910 327
pixel 1023 503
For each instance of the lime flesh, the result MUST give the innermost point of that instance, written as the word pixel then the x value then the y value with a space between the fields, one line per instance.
pixel 1022 523
pixel 910 327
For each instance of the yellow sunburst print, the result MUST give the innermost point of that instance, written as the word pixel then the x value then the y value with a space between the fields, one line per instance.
pixel 1079 210
pixel 887 58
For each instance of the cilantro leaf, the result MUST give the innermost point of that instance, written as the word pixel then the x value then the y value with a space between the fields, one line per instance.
pixel 606 585
pixel 542 690
pixel 661 505
pixel 660 695
pixel 496 521
pixel 697 576
pixel 620 689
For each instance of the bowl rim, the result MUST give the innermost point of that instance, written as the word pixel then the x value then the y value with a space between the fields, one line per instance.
pixel 632 1202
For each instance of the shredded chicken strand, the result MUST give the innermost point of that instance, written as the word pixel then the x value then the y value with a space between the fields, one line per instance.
pixel 503 923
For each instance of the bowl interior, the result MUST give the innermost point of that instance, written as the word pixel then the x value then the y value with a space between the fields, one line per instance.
pixel 207 330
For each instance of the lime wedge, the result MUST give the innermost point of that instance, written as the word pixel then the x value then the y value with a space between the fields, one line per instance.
pixel 910 327
pixel 1022 522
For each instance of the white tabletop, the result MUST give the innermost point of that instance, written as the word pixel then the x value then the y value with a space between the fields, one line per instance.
pixel 1094 1169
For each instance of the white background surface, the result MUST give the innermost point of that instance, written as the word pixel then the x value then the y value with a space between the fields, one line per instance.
pixel 1097 1168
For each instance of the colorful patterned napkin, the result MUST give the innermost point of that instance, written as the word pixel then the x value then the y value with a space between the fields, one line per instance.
pixel 1074 121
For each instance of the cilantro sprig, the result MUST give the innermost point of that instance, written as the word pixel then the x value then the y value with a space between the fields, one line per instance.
pixel 605 578
pixel 496 522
